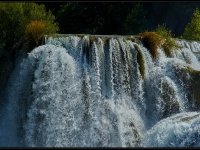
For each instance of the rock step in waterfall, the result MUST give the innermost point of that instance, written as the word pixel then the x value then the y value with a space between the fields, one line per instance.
pixel 102 91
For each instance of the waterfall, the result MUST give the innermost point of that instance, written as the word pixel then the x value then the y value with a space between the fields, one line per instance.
pixel 102 91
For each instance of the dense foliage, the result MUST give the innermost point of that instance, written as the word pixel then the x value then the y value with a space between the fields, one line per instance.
pixel 14 18
pixel 121 17
pixel 36 30
pixel 192 29
pixel 98 18
pixel 135 20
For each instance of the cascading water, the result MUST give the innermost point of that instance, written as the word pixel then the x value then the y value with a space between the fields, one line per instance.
pixel 94 91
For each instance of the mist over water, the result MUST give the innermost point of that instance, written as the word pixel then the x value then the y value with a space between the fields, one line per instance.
pixel 89 91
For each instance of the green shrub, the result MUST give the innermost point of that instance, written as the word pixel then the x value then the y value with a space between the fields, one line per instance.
pixel 11 23
pixel 36 29
pixel 192 29
pixel 151 41
pixel 170 44
pixel 14 18
pixel 161 36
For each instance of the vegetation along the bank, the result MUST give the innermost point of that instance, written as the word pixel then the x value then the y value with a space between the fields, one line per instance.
pixel 23 25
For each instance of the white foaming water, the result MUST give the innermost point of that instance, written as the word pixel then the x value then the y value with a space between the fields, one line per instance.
pixel 180 130
pixel 89 91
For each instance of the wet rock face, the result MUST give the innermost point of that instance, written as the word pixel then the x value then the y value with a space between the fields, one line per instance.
pixel 195 88
pixel 170 102
pixel 191 80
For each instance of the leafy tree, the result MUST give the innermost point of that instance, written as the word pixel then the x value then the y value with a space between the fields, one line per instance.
pixel 192 29
pixel 135 20
pixel 11 22
pixel 93 18
pixel 14 18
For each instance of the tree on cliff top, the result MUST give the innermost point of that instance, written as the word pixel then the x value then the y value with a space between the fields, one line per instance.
pixel 192 29
pixel 14 18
